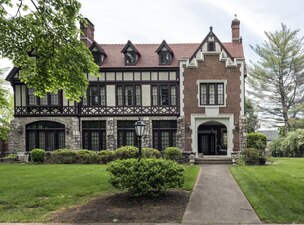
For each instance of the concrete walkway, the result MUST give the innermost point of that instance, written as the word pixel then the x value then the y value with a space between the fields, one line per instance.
pixel 216 199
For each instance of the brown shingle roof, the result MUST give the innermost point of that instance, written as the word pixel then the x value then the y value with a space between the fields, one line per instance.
pixel 149 58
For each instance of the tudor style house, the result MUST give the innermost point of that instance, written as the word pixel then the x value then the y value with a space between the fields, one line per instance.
pixel 188 95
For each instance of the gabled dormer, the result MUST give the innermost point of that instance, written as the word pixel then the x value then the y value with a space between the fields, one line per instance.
pixel 165 54
pixel 211 45
pixel 131 54
pixel 98 53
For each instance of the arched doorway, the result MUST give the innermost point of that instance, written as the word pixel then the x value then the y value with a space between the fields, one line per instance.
pixel 45 135
pixel 212 138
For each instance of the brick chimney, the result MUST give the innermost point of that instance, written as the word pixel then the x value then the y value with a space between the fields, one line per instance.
pixel 235 29
pixel 87 30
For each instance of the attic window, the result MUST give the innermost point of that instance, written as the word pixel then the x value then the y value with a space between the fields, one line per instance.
pixel 211 46
pixel 130 57
pixel 97 57
pixel 165 57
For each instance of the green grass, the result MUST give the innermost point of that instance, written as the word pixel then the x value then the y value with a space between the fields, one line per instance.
pixel 190 176
pixel 276 191
pixel 28 193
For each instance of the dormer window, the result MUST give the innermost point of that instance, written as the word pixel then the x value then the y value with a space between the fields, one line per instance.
pixel 98 53
pixel 165 54
pixel 165 57
pixel 97 57
pixel 131 54
pixel 211 46
pixel 130 58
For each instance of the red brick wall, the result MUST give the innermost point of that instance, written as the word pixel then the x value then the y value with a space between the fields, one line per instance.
pixel 211 69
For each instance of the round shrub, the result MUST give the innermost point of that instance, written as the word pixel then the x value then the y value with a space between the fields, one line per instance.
pixel 151 153
pixel 146 176
pixel 250 156
pixel 64 156
pixel 275 147
pixel 126 152
pixel 105 156
pixel 257 141
pixel 173 153
pixel 86 156
pixel 38 155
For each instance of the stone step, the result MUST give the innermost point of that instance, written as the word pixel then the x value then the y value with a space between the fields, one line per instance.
pixel 213 160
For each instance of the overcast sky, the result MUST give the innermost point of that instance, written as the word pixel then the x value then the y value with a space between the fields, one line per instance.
pixel 184 21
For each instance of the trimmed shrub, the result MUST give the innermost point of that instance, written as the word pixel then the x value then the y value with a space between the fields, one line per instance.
pixel 147 176
pixel 257 141
pixel 173 153
pixel 38 155
pixel 250 156
pixel 126 152
pixel 151 153
pixel 105 156
pixel 86 156
pixel 64 156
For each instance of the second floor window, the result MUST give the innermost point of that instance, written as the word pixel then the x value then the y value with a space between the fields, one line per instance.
pixel 212 93
pixel 165 57
pixel 164 95
pixel 96 96
pixel 50 99
pixel 128 95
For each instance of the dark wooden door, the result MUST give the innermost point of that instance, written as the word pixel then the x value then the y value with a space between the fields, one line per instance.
pixel 206 144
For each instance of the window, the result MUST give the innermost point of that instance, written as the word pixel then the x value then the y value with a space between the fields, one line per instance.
pixel 97 57
pixel 130 57
pixel 211 46
pixel 45 135
pixel 128 95
pixel 164 134
pixel 165 57
pixel 96 96
pixel 164 95
pixel 94 135
pixel 212 93
pixel 126 133
pixel 51 99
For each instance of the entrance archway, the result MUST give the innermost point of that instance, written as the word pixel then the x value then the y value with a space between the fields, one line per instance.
pixel 212 138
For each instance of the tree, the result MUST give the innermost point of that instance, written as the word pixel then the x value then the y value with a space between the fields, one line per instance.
pixel 42 38
pixel 277 78
pixel 6 107
pixel 251 116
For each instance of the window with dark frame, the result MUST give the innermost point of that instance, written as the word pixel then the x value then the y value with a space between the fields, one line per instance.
pixel 130 57
pixel 45 135
pixel 97 57
pixel 163 95
pixel 211 46
pixel 164 134
pixel 165 57
pixel 96 96
pixel 126 134
pixel 94 135
pixel 128 95
pixel 212 94
pixel 51 99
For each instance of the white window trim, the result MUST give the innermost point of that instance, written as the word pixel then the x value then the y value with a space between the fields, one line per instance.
pixel 199 82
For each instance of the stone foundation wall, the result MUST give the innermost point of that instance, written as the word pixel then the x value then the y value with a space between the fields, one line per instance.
pixel 17 135
pixel 73 126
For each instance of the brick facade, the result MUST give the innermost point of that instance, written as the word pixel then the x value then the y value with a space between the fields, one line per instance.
pixel 212 69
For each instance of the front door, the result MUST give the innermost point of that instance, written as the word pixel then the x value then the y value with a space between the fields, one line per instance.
pixel 206 144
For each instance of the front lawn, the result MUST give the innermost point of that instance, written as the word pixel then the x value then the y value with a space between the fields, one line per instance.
pixel 29 192
pixel 276 191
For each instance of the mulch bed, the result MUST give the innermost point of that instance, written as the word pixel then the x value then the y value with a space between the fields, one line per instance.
pixel 124 208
